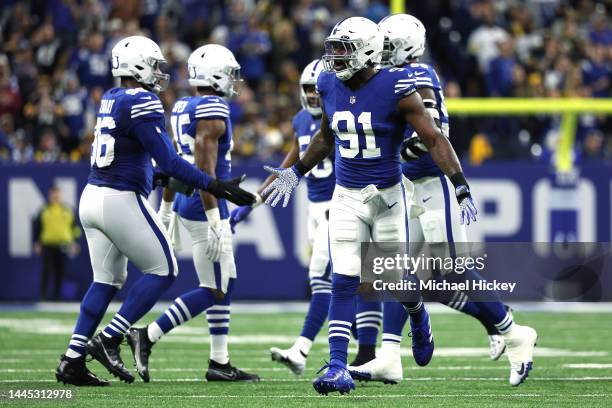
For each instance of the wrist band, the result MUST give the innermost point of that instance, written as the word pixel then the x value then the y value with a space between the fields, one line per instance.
pixel 301 167
pixel 166 206
pixel 258 200
pixel 213 215
pixel 458 179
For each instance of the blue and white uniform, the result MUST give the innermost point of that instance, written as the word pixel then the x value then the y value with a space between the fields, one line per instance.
pixel 369 201
pixel 186 113
pixel 119 223
pixel 320 183
pixel 432 189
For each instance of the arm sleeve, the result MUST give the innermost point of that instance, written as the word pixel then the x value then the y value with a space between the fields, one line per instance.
pixel 155 140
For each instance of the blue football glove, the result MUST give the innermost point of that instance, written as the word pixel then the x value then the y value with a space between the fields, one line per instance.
pixel 286 181
pixel 239 214
pixel 466 203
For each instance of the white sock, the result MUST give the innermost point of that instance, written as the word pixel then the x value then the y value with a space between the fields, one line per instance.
pixel 70 353
pixel 154 332
pixel 390 348
pixel 303 344
pixel 218 348
pixel 506 325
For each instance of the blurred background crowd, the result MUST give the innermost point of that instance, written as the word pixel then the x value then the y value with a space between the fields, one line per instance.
pixel 55 67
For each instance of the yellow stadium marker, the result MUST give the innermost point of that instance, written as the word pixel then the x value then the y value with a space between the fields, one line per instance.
pixel 568 108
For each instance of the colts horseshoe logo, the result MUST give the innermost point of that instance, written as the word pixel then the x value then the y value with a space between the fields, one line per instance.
pixel 192 71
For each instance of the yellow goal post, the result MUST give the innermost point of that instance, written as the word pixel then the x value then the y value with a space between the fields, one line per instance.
pixel 568 108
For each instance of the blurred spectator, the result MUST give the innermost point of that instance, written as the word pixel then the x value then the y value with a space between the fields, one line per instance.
pixel 251 47
pixel 55 235
pixel 500 76
pixel 483 42
pixel 54 63
pixel 92 63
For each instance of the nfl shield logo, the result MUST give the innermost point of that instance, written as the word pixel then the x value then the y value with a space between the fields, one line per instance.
pixel 352 99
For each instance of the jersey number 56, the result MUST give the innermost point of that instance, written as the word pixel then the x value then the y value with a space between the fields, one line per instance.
pixel 103 147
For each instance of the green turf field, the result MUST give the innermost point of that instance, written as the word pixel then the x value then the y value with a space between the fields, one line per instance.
pixel 573 366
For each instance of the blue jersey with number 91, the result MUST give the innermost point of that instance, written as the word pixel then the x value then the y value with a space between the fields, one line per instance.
pixel 184 120
pixel 367 126
pixel 320 181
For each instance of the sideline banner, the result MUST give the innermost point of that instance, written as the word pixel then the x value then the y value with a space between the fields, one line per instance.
pixel 517 203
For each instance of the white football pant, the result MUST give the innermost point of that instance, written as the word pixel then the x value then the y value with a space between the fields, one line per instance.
pixel 121 226
pixel 214 275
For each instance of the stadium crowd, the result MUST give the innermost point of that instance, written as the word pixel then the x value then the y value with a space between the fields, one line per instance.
pixel 55 66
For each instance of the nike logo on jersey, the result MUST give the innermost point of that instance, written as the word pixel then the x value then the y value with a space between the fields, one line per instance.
pixel 392 205
pixel 419 73
pixel 426 199
pixel 145 97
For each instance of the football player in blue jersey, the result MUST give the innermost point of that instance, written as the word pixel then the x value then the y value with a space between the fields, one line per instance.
pixel 320 182
pixel 203 133
pixel 439 226
pixel 365 113
pixel 119 223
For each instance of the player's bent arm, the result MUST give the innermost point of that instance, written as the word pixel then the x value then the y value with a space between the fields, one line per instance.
pixel 158 144
pixel 441 151
pixel 206 147
pixel 320 147
pixel 439 147
pixel 290 159
pixel 152 135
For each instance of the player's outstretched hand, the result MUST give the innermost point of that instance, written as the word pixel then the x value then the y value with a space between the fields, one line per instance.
pixel 282 187
pixel 231 191
pixel 468 208
pixel 239 214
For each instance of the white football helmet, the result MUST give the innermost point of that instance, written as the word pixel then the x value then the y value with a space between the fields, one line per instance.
pixel 216 67
pixel 404 39
pixel 309 77
pixel 354 44
pixel 140 58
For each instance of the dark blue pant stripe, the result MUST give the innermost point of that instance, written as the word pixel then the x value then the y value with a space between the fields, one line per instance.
pixel 158 234
pixel 447 217
pixel 217 269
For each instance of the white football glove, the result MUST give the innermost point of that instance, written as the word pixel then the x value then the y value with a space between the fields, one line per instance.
pixel 216 231
pixel 165 213
pixel 282 187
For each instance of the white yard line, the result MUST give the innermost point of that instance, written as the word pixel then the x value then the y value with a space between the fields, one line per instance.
pixel 588 365
pixel 243 307
pixel 296 380
pixel 354 396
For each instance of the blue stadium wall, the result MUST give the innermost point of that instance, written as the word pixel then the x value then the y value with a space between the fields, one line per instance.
pixel 518 203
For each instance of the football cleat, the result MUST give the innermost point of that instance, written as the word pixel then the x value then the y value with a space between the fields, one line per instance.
pixel 520 343
pixel 293 358
pixel 74 371
pixel 227 372
pixel 387 369
pixel 141 346
pixel 422 340
pixel 337 378
pixel 107 351
pixel 497 346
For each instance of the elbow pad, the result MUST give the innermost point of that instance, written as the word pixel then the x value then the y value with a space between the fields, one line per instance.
pixel 432 109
